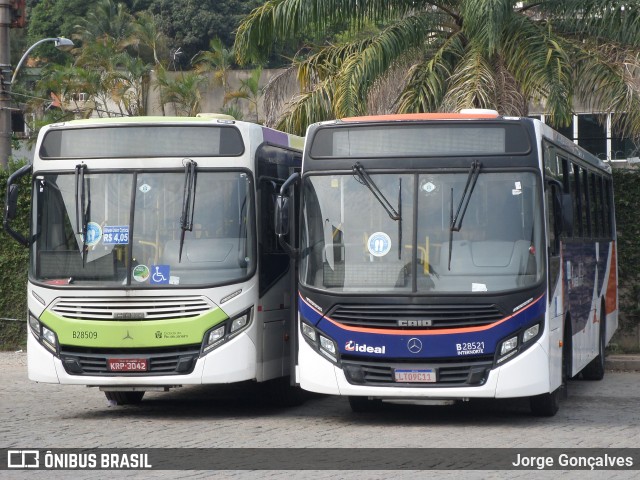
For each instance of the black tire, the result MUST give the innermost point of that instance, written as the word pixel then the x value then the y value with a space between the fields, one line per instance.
pixel 545 405
pixel 595 368
pixel 364 404
pixel 124 398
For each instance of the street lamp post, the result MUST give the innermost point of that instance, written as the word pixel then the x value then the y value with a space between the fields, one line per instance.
pixel 5 112
pixel 60 42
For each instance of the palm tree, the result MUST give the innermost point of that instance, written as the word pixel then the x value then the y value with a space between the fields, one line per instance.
pixel 147 34
pixel 218 59
pixel 501 54
pixel 183 91
pixel 249 90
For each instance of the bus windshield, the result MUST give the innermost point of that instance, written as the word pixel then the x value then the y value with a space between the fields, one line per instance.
pixel 127 228
pixel 351 244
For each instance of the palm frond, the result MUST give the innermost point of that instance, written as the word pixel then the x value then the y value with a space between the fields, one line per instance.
pixel 599 20
pixel 365 65
pixel 428 81
pixel 307 108
pixel 608 84
pixel 472 83
pixel 538 60
pixel 284 20
pixel 484 21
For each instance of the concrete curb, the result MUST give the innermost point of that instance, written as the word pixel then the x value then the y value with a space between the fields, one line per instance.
pixel 622 363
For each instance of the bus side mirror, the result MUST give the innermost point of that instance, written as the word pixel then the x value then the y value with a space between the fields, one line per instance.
pixel 282 212
pixel 12 202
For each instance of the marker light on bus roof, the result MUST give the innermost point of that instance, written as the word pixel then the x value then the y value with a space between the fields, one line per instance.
pixel 479 111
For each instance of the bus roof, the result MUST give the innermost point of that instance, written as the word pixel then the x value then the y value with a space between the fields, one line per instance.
pixel 403 117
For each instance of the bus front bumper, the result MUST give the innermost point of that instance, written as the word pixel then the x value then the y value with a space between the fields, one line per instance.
pixel 235 361
pixel 524 375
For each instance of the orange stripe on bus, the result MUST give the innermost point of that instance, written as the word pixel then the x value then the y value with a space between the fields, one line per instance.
pixel 611 298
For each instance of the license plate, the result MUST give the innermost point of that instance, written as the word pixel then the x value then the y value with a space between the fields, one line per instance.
pixel 128 364
pixel 425 375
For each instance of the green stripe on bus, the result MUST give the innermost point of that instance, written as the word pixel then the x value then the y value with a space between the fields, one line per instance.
pixel 134 333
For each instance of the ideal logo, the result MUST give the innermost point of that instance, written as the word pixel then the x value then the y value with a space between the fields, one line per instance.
pixel 352 346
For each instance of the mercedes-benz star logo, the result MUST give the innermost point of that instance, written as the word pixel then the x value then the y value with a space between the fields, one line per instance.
pixel 128 336
pixel 414 345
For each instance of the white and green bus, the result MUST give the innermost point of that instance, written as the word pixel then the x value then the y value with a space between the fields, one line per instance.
pixel 154 262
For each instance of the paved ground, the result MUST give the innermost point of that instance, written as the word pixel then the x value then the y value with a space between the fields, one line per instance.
pixel 601 415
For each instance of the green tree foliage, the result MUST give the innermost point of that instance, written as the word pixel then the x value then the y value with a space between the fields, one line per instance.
pixel 53 18
pixel 111 72
pixel 499 54
pixel 191 24
pixel 627 194
pixel 14 260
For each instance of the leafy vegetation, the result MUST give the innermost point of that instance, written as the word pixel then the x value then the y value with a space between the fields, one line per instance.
pixel 14 260
pixel 627 199
pixel 498 54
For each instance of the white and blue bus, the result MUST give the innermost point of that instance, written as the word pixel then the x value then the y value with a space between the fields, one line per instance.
pixel 449 257
pixel 154 262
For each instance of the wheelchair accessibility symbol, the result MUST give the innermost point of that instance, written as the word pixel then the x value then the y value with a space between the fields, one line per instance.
pixel 379 244
pixel 159 274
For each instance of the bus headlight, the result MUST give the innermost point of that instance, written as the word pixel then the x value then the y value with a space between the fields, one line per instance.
pixel 328 348
pixel 49 339
pixel 35 326
pixel 45 336
pixel 215 335
pixel 517 343
pixel 530 333
pixel 309 332
pixel 508 345
pixel 320 343
pixel 328 345
pixel 225 331
pixel 239 322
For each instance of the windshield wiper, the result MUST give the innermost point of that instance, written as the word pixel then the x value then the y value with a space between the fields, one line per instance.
pixel 82 214
pixel 455 223
pixel 188 201
pixel 366 180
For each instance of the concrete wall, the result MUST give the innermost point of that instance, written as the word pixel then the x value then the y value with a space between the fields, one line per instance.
pixel 213 95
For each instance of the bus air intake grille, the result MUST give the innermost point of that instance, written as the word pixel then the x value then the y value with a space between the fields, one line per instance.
pixel 471 373
pixel 416 317
pixel 160 361
pixel 124 309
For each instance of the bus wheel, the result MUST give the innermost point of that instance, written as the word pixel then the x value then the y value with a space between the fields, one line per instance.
pixel 595 369
pixel 364 404
pixel 124 398
pixel 545 405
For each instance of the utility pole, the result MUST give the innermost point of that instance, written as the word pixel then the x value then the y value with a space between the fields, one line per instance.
pixel 6 19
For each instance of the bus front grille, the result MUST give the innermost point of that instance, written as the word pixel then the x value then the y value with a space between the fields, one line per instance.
pixel 416 317
pixel 471 373
pixel 124 308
